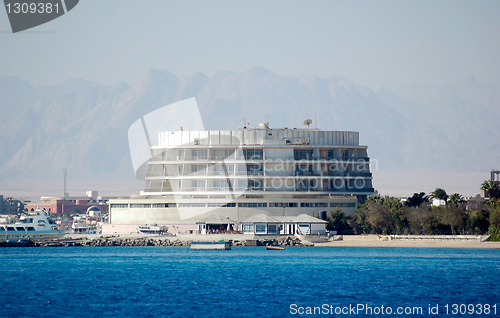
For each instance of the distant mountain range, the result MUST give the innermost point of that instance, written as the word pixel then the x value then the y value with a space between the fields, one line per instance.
pixel 82 126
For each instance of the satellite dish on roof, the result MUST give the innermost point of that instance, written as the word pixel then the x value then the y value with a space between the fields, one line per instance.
pixel 264 125
pixel 307 122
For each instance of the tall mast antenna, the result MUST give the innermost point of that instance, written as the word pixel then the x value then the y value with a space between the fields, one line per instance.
pixel 65 176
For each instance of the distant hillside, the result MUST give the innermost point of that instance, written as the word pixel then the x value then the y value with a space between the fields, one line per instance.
pixel 83 125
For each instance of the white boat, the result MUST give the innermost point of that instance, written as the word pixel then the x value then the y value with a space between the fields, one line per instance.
pixel 152 229
pixel 79 224
pixel 220 245
pixel 29 226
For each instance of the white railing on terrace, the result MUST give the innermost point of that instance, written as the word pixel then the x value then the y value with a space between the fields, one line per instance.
pixel 270 160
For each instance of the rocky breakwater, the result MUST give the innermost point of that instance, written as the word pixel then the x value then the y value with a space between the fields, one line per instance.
pixel 142 241
pixel 161 241
pixel 113 241
pixel 282 241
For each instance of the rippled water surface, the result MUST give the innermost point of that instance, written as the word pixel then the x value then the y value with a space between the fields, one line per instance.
pixel 243 282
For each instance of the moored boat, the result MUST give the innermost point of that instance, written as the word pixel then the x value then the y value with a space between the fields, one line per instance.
pixel 275 248
pixel 152 229
pixel 29 227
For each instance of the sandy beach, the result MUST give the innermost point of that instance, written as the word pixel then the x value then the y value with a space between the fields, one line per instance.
pixel 414 244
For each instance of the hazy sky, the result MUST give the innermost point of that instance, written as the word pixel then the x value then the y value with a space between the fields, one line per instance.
pixel 371 43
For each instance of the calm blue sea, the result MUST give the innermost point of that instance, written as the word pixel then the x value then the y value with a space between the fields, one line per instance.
pixel 247 282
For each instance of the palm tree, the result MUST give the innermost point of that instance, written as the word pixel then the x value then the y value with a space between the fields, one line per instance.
pixel 417 199
pixel 440 194
pixel 491 189
pixel 456 198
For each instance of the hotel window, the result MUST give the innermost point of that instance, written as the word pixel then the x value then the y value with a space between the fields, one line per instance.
pixel 306 205
pixel 215 205
pixel 260 228
pixel 140 205
pixel 198 185
pixel 164 205
pixel 272 229
pixel 302 154
pixel 221 185
pixel 333 168
pixel 198 169
pixel 250 169
pixel 326 154
pixel 224 153
pixel 321 204
pixel 362 167
pixel 242 184
pixel 304 170
pixel 248 228
pixel 242 169
pixel 199 153
pixel 192 205
pixel 345 154
pixel 223 169
pixel 230 205
pixel 255 154
pixel 276 205
pixel 254 184
pixel 252 205
pixel 283 205
pixel 343 205
pixel 119 205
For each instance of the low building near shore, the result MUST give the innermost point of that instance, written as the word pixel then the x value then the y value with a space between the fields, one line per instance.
pixel 261 224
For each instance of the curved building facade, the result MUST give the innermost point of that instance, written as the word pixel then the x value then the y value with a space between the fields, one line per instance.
pixel 239 173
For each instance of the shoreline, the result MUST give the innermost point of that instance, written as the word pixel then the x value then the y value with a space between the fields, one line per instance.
pixel 465 242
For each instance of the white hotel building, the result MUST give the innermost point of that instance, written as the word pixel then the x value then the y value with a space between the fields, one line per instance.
pixel 239 173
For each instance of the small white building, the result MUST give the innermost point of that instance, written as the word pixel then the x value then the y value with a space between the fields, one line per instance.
pixel 215 223
pixel 438 202
pixel 261 224
pixel 302 224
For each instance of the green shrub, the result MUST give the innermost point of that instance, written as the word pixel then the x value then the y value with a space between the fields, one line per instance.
pixel 494 233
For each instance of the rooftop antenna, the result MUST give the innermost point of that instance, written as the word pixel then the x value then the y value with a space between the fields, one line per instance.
pixel 65 172
pixel 308 122
pixel 284 114
pixel 315 121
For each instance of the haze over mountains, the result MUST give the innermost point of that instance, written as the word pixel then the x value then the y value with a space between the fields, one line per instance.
pixel 424 131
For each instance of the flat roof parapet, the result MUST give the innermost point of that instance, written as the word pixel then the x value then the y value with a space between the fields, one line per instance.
pixel 313 137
